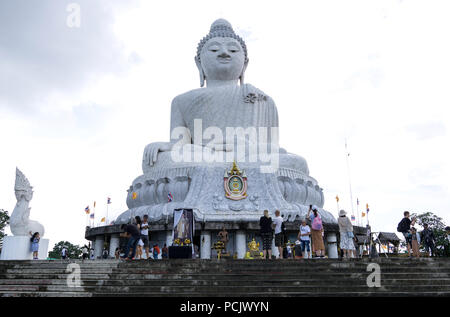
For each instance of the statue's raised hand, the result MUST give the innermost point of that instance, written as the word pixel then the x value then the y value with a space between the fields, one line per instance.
pixel 151 152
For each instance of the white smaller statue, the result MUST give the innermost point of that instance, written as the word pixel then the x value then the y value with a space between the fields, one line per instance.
pixel 20 222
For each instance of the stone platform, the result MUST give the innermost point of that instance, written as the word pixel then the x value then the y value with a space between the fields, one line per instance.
pixel 18 248
pixel 255 278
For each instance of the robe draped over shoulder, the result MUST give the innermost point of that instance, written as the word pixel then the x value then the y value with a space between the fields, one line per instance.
pixel 229 106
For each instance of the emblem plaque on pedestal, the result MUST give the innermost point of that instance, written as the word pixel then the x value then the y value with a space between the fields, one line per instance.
pixel 235 183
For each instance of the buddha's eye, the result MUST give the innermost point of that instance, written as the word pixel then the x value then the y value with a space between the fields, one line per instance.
pixel 214 48
pixel 233 49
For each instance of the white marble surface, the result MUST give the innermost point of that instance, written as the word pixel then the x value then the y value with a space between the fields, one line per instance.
pixel 18 248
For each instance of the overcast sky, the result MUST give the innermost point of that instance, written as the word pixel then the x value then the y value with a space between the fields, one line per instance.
pixel 78 105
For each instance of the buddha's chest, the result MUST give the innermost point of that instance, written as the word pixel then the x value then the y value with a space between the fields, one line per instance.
pixel 224 112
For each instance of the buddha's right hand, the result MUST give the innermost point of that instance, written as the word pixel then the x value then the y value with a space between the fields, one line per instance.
pixel 151 152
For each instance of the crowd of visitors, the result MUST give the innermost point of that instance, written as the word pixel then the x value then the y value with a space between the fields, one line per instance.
pixel 309 243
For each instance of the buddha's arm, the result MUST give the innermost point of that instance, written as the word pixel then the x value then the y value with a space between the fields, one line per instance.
pixel 176 124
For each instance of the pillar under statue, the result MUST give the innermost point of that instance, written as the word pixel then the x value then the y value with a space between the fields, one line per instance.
pixel 17 247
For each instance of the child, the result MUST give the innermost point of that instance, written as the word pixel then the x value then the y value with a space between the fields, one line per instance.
pixel 35 244
pixel 415 242
pixel 155 252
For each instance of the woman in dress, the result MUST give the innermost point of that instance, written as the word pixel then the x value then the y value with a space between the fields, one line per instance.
pixel 346 234
pixel 316 232
pixel 35 244
pixel 265 224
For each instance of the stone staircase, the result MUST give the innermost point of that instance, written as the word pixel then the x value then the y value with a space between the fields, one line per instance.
pixel 230 278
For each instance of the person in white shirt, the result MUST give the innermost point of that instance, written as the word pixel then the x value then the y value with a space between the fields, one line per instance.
pixel 303 236
pixel 279 236
pixel 144 235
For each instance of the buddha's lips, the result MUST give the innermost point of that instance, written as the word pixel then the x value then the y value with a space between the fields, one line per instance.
pixel 224 60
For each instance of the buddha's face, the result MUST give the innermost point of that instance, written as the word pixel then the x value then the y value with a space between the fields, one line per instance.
pixel 222 58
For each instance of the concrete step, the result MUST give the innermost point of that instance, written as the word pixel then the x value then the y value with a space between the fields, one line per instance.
pixel 215 282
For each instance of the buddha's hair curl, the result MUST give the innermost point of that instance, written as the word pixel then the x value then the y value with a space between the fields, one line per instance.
pixel 221 28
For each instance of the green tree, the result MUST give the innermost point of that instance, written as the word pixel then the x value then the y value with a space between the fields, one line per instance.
pixel 436 224
pixel 73 250
pixel 4 221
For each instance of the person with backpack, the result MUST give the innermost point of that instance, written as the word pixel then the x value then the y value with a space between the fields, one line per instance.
pixel 404 226
pixel 427 236
pixel 265 225
pixel 279 234
pixel 318 246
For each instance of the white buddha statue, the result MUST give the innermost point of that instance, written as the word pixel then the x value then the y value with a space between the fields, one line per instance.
pixel 226 102
pixel 201 120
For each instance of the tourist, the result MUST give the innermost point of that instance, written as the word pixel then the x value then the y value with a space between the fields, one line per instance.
pixel 156 252
pixel 165 252
pixel 92 254
pixel 144 235
pixel 279 236
pixel 404 226
pixel 316 232
pixel 288 250
pixel 64 252
pixel 265 225
pixel 85 252
pixel 117 253
pixel 304 240
pixel 298 250
pixel 139 249
pixel 105 253
pixel 415 242
pixel 427 236
pixel 133 234
pixel 35 237
pixel 346 234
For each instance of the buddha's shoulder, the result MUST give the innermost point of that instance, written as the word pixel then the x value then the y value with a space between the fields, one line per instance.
pixel 188 96
pixel 247 91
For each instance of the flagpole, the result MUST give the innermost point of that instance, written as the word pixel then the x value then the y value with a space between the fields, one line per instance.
pixel 349 178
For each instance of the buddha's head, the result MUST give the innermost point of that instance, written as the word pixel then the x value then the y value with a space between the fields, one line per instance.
pixel 221 55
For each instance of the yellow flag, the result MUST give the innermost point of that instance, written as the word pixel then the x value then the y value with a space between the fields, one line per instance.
pixel 134 196
pixel 103 219
pixel 337 198
pixel 363 214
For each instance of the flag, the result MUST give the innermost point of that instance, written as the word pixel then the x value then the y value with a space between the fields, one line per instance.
pixel 109 201
pixel 103 219
pixel 92 216
pixel 94 204
pixel 353 218
pixel 337 198
pixel 169 197
pixel 367 208
pixel 87 210
pixel 357 201
pixel 363 214
pixel 134 195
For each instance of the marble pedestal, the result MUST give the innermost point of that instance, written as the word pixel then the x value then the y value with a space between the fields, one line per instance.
pixel 332 246
pixel 18 248
pixel 205 245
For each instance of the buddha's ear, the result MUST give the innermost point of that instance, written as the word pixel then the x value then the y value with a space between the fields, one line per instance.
pixel 200 70
pixel 241 78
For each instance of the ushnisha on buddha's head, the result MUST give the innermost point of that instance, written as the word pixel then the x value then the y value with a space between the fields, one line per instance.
pixel 221 55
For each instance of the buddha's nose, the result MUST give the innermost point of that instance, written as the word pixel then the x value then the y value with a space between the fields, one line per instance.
pixel 224 55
